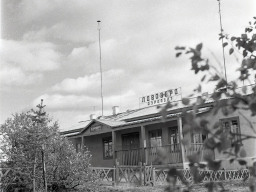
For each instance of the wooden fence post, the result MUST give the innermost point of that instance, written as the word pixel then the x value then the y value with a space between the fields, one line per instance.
pixel 114 177
pixel 154 176
pixel 128 174
pixel 117 173
pixel 141 181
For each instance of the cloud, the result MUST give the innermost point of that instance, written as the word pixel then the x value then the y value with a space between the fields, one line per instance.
pixel 25 63
pixel 30 56
pixel 13 76
pixel 90 84
pixel 59 40
pixel 58 102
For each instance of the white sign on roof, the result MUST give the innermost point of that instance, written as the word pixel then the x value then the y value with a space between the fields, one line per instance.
pixel 160 97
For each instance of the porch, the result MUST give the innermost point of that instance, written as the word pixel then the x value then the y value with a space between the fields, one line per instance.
pixel 167 154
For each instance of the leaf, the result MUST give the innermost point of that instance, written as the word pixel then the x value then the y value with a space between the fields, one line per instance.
pixel 225 44
pixel 231 160
pixel 202 165
pixel 242 162
pixel 210 143
pixel 214 164
pixel 231 50
pixel 245 53
pixel 196 175
pixel 244 89
pixel 179 48
pixel 208 155
pixel 252 106
pixel 233 38
pixel 185 101
pixel 203 78
pixel 194 158
pixel 242 152
pixel 199 46
pixel 244 36
pixel 178 54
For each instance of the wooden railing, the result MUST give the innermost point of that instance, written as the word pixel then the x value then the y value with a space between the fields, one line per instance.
pixel 129 157
pixel 170 154
pixel 196 147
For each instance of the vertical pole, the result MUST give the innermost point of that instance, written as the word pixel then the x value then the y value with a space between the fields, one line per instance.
pixel 223 52
pixel 153 175
pixel 114 147
pixel 117 172
pixel 179 120
pixel 101 92
pixel 114 177
pixel 141 181
pixel 82 144
pixel 142 143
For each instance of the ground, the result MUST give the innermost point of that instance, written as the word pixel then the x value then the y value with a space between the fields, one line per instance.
pixel 231 186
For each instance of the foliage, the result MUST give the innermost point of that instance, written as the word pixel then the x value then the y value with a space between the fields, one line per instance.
pixel 30 140
pixel 226 99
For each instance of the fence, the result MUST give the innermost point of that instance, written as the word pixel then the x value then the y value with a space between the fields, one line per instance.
pixel 209 175
pixel 148 175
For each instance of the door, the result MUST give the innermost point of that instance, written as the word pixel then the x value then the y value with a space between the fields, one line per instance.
pixel 131 149
pixel 155 142
pixel 174 145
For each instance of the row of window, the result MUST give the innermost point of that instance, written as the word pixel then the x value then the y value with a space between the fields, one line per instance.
pixel 131 141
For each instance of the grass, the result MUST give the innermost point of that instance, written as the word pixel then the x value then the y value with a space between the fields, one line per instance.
pixel 234 186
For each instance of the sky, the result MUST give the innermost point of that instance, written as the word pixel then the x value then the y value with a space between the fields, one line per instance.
pixel 50 50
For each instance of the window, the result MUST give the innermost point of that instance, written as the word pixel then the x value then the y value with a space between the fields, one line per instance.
pixel 231 126
pixel 107 148
pixel 155 138
pixel 198 138
pixel 174 139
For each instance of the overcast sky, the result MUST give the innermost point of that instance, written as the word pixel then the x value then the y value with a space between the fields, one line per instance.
pixel 49 50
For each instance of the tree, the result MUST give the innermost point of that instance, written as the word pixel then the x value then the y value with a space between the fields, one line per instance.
pixel 245 45
pixel 30 141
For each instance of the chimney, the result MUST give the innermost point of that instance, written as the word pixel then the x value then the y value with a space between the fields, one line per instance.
pixel 115 110
pixel 92 116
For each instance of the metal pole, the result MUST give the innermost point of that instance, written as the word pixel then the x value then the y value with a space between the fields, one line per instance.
pixel 101 91
pixel 223 53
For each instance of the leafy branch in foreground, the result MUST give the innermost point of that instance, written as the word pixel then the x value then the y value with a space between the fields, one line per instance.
pixel 226 99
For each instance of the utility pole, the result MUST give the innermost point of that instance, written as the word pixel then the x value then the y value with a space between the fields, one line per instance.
pixel 223 52
pixel 101 91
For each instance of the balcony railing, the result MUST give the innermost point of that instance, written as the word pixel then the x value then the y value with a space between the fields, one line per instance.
pixel 196 147
pixel 129 157
pixel 169 154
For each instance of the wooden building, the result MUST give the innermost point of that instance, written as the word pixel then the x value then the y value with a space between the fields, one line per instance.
pixel 142 136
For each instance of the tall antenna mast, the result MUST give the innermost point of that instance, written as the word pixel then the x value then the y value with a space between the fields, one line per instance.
pixel 223 53
pixel 101 91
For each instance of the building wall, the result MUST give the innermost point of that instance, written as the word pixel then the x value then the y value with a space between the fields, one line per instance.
pixel 248 145
pixel 94 143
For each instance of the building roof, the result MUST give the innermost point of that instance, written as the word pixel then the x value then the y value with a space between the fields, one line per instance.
pixel 141 115
pixel 133 117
